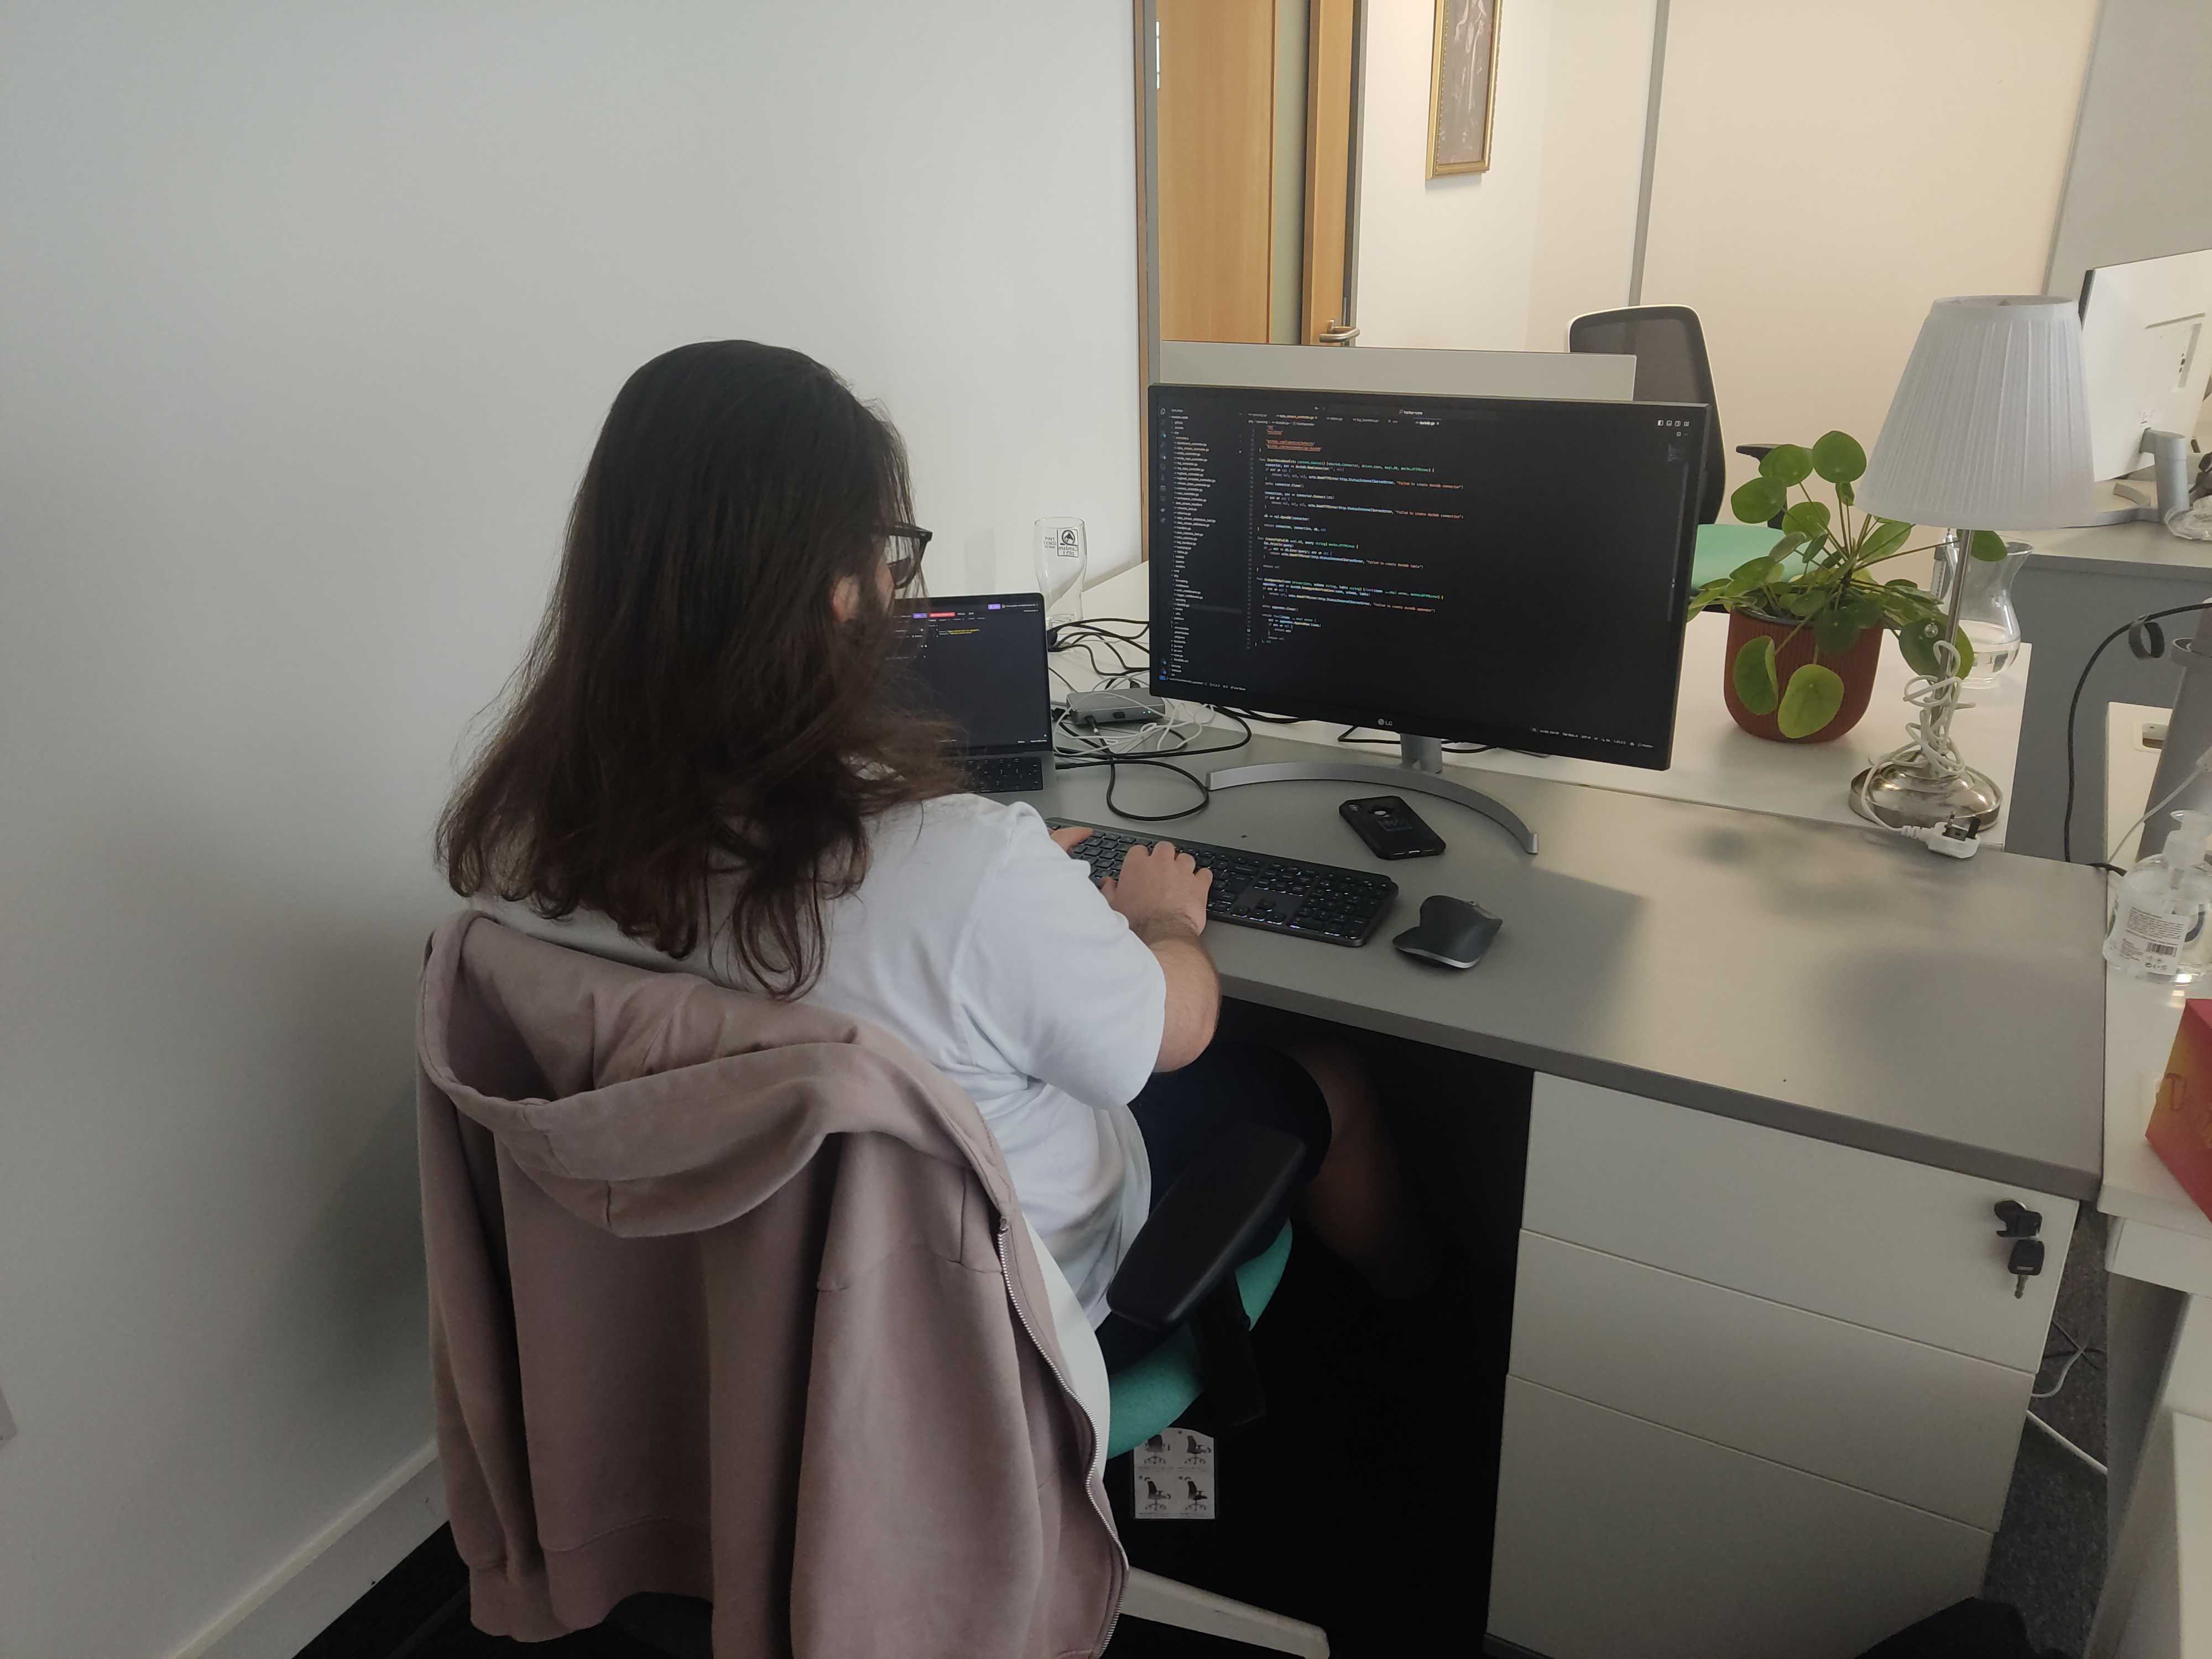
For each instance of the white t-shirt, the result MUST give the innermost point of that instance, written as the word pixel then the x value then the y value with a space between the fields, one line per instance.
pixel 980 944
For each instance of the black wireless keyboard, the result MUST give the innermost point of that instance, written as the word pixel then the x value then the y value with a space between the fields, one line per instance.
pixel 1258 890
pixel 1005 774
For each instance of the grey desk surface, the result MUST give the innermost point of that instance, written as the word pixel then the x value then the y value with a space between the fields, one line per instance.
pixel 2149 548
pixel 1825 981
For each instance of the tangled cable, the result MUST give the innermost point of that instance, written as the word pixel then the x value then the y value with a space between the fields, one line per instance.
pixel 1936 697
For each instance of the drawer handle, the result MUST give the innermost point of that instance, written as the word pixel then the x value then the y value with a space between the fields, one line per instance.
pixel 2019 1221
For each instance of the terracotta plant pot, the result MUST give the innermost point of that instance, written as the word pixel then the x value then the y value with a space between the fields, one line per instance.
pixel 1854 668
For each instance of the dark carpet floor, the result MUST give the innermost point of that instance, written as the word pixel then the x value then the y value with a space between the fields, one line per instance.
pixel 2049 1560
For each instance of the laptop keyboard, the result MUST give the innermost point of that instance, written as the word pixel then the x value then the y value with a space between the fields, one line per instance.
pixel 1005 774
pixel 1258 890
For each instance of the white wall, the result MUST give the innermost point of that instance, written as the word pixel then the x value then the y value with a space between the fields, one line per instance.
pixel 2140 182
pixel 1501 260
pixel 1446 262
pixel 1822 177
pixel 311 315
pixel 1599 83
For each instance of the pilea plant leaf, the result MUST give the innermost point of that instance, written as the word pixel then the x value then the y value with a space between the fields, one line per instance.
pixel 1786 465
pixel 1886 534
pixel 1834 631
pixel 1756 500
pixel 1753 676
pixel 1839 458
pixel 1807 519
pixel 1805 601
pixel 1815 694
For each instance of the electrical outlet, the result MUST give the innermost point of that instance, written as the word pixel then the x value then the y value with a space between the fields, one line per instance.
pixel 7 1423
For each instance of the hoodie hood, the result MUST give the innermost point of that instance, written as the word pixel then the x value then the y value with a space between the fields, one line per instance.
pixel 601 1094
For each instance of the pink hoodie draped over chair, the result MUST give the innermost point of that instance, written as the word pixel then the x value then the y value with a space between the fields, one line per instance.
pixel 731 1299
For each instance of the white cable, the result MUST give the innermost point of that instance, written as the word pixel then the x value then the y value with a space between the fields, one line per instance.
pixel 2065 1367
pixel 1928 693
pixel 2068 1445
pixel 1936 697
pixel 1130 742
pixel 1178 726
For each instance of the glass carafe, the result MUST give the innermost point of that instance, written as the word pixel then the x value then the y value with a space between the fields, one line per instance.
pixel 1986 616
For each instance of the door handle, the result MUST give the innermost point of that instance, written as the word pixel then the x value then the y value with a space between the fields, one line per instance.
pixel 1337 333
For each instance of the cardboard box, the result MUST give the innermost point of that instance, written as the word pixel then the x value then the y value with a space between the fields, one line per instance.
pixel 2180 1130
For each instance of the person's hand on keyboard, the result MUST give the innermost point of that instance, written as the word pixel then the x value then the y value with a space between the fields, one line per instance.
pixel 1159 887
pixel 1071 837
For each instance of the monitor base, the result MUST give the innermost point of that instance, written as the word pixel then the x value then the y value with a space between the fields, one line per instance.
pixel 1410 777
pixel 2151 495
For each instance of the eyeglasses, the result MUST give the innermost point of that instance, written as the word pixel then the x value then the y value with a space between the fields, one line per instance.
pixel 903 546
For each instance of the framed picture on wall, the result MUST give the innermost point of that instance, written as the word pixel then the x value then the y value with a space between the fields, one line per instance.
pixel 1462 86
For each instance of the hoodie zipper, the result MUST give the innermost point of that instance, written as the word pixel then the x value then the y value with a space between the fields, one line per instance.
pixel 1083 1416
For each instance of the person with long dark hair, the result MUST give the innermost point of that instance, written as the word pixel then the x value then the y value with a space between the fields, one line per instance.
pixel 704 760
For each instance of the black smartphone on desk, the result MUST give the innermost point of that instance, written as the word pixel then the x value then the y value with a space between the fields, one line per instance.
pixel 1391 829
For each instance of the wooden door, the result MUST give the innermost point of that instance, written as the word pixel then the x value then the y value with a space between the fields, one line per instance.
pixel 1215 114
pixel 1333 25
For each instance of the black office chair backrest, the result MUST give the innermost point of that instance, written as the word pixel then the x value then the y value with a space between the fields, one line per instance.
pixel 1671 367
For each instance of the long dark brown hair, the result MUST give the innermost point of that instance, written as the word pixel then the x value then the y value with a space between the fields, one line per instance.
pixel 692 707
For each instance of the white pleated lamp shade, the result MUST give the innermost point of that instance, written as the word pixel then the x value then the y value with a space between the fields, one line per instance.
pixel 1990 429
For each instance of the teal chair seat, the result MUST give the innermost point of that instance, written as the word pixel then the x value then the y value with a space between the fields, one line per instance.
pixel 1723 547
pixel 1149 1394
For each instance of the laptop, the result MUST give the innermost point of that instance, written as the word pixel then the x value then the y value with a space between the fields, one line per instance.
pixel 980 661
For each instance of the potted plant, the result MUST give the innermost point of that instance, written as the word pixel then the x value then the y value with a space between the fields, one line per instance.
pixel 1806 618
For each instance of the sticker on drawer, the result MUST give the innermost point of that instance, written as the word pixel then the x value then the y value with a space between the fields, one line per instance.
pixel 1172 1475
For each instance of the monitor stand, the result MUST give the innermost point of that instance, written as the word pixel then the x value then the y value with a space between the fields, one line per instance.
pixel 1420 771
pixel 2152 494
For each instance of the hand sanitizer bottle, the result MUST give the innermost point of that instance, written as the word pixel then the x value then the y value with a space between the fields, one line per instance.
pixel 2158 924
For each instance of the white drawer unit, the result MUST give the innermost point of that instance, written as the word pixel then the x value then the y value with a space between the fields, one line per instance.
pixel 1893 1417
pixel 1618 1538
pixel 1875 1241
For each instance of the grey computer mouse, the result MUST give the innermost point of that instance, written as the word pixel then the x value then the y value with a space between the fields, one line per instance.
pixel 1450 931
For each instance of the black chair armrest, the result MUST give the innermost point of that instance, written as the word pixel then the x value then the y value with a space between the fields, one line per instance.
pixel 1209 1221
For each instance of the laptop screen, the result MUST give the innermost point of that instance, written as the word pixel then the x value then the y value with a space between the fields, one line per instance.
pixel 980 661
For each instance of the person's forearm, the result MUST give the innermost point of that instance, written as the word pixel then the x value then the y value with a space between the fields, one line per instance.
pixel 1193 992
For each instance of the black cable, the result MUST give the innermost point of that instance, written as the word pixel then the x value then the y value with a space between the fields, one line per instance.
pixel 1068 637
pixel 1121 664
pixel 1114 777
pixel 1114 762
pixel 1087 636
pixel 1089 639
pixel 2074 708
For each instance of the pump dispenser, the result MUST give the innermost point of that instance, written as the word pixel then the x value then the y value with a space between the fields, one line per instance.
pixel 2158 924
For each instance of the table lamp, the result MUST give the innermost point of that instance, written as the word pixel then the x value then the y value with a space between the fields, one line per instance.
pixel 1988 431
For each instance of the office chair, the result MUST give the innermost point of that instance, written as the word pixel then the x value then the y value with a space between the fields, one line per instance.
pixel 1668 344
pixel 1193 1272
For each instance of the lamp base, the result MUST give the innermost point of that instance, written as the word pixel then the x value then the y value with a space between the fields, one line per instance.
pixel 1909 793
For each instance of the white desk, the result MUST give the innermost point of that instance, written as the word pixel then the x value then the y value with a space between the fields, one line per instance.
pixel 2139 1193
pixel 2074 587
pixel 1717 762
pixel 2158 1591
